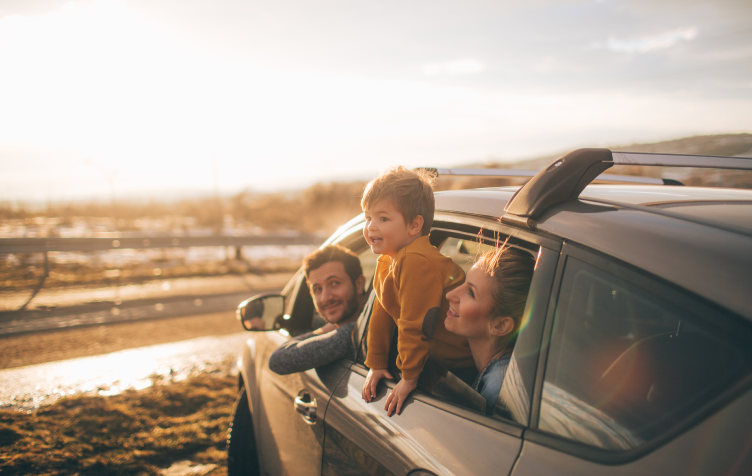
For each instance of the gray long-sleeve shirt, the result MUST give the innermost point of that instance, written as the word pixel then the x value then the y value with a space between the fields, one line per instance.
pixel 309 350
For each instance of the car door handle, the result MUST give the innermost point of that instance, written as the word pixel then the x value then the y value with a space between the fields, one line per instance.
pixel 306 406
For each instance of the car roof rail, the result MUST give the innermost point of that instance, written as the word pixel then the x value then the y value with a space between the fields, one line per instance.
pixel 519 173
pixel 568 175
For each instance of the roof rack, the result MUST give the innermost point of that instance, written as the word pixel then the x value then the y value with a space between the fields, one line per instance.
pixel 568 175
pixel 519 173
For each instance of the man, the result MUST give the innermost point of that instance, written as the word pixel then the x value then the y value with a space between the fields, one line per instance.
pixel 337 285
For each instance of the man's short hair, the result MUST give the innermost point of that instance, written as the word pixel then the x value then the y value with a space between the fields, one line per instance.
pixel 411 193
pixel 329 253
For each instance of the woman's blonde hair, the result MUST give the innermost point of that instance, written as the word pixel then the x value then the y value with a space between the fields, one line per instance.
pixel 512 270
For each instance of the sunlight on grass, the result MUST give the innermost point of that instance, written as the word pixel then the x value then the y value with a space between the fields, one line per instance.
pixel 136 432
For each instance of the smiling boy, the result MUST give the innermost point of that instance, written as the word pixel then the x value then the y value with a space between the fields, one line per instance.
pixel 411 282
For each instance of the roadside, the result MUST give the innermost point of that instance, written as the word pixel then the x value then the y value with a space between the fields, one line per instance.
pixel 50 299
pixel 171 428
pixel 41 347
pixel 91 306
pixel 157 409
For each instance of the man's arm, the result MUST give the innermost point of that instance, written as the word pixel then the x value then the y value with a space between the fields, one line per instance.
pixel 310 350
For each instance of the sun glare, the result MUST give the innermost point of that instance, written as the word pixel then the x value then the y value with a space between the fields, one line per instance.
pixel 102 83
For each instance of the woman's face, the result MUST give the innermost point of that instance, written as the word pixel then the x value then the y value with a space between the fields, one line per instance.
pixel 471 305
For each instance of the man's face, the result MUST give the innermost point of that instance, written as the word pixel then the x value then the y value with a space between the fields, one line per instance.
pixel 333 291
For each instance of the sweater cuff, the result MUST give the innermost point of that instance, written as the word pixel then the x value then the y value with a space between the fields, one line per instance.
pixel 377 361
pixel 409 374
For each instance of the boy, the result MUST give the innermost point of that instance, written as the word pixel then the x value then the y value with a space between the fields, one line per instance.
pixel 411 282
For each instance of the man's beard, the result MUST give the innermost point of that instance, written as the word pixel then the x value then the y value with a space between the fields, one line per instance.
pixel 351 307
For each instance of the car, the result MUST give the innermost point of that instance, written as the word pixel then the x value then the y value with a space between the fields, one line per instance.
pixel 634 357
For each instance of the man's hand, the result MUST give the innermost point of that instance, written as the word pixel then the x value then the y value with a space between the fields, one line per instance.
pixel 372 381
pixel 328 327
pixel 398 396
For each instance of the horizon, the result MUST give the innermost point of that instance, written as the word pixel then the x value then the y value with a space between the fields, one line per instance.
pixel 178 196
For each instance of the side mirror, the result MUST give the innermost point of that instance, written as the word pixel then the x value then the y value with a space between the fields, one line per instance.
pixel 264 312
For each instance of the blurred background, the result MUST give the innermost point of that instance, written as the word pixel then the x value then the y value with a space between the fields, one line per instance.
pixel 125 119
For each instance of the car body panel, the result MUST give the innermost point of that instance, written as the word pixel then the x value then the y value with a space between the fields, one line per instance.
pixel 715 264
pixel 719 445
pixel 422 437
pixel 287 443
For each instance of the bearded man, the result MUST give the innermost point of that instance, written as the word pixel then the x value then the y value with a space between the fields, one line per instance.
pixel 337 285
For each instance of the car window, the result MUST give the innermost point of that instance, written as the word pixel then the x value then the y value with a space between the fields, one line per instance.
pixel 455 387
pixel 463 251
pixel 626 365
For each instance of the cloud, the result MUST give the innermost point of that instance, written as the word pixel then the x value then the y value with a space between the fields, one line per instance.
pixel 463 66
pixel 649 43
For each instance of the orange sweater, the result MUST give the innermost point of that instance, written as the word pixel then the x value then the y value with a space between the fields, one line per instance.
pixel 411 295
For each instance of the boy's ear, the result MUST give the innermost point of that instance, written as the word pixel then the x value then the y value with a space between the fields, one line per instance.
pixel 416 226
pixel 501 326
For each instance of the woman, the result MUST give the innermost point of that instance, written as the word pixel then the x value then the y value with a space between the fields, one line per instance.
pixel 487 309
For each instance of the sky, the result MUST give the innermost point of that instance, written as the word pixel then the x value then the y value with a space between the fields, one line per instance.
pixel 152 98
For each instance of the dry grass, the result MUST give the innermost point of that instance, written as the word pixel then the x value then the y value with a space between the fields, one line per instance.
pixel 21 276
pixel 137 432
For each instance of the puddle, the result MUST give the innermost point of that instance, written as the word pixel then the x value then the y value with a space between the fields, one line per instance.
pixel 27 388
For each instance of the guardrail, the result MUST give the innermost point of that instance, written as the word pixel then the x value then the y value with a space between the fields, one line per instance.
pixel 46 245
pixel 43 245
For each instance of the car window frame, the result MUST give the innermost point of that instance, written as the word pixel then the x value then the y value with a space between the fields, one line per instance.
pixel 529 340
pixel 448 225
pixel 726 322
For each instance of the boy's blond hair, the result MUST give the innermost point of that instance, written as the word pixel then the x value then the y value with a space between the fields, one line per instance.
pixel 410 191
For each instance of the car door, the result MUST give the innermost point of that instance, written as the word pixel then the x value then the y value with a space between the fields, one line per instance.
pixel 445 432
pixel 640 378
pixel 291 407
pixel 290 442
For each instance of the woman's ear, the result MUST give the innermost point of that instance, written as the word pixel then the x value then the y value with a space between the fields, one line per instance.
pixel 502 326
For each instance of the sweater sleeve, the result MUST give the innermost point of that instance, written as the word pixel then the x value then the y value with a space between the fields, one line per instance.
pixel 310 351
pixel 380 330
pixel 420 290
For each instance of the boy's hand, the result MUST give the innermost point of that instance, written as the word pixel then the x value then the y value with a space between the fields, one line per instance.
pixel 398 396
pixel 372 381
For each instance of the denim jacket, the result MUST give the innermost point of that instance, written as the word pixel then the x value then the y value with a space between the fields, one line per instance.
pixel 488 383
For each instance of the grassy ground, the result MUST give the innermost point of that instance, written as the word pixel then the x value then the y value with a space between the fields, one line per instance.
pixel 136 432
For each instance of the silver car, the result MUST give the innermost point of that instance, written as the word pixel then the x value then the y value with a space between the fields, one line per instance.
pixel 635 356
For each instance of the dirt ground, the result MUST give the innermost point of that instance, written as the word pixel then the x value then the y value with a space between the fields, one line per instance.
pixel 38 348
pixel 167 425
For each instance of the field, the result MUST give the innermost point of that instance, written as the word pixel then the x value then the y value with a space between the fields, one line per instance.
pixel 136 432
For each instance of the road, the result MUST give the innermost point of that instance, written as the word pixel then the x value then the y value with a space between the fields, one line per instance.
pixel 39 365
pixel 66 323
pixel 76 342
pixel 26 388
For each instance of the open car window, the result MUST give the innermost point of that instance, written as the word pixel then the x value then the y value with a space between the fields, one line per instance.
pixel 453 387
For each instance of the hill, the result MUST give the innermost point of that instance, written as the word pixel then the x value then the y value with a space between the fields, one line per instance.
pixel 728 145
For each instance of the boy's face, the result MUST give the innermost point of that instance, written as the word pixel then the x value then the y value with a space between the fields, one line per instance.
pixel 386 230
